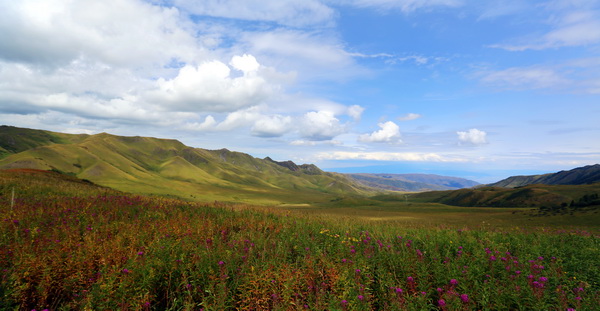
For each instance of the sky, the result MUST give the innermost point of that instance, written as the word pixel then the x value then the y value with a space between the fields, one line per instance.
pixel 475 89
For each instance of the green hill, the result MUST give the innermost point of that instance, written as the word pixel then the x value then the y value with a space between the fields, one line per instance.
pixel 578 176
pixel 547 196
pixel 168 167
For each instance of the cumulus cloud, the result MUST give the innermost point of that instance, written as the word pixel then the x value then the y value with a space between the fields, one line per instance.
pixel 210 87
pixel 389 133
pixel 208 124
pixel 472 137
pixel 409 117
pixel 51 32
pixel 320 125
pixel 272 126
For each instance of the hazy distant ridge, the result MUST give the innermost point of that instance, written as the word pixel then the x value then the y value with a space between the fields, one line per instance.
pixel 413 182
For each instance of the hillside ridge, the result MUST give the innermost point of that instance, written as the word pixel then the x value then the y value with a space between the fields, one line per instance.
pixel 588 174
pixel 168 167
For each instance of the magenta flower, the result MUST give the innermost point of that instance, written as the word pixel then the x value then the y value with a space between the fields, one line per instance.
pixel 125 271
pixel 464 298
pixel 410 279
pixel 361 297
pixel 453 282
pixel 399 290
pixel 441 302
pixel 221 263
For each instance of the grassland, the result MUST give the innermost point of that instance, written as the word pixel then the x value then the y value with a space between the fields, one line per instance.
pixel 68 244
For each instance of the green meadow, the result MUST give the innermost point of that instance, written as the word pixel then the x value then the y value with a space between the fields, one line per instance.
pixel 68 244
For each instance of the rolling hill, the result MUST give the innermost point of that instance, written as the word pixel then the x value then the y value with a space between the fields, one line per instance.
pixel 577 176
pixel 413 182
pixel 168 167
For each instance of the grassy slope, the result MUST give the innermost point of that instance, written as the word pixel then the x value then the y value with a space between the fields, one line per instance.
pixel 167 167
pixel 527 196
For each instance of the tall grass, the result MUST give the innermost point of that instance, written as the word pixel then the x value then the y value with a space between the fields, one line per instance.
pixel 74 246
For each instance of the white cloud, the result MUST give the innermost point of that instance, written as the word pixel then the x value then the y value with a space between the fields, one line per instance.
pixel 57 32
pixel 246 63
pixel 210 87
pixel 389 133
pixel 409 117
pixel 389 156
pixel 208 124
pixel 240 118
pixel 355 112
pixel 320 125
pixel 472 137
pixel 524 78
pixel 318 56
pixel 300 142
pixel 575 24
pixel 272 126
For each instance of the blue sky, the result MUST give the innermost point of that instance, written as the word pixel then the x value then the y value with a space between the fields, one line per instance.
pixel 475 89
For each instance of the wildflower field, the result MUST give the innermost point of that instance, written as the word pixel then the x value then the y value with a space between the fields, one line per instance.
pixel 71 245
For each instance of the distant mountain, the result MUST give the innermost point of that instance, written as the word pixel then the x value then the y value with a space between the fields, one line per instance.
pixel 168 167
pixel 413 182
pixel 537 195
pixel 578 176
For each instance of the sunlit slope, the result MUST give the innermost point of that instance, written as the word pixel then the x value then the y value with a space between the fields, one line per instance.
pixel 163 166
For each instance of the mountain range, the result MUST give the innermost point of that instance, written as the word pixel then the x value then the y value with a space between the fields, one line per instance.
pixel 413 182
pixel 148 165
pixel 168 167
pixel 578 176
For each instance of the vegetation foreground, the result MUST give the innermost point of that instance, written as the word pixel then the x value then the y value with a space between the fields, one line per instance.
pixel 67 244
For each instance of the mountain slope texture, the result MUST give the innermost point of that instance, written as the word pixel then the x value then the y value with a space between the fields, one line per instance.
pixel 578 176
pixel 168 167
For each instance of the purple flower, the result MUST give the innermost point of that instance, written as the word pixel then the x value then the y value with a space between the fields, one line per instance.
pixel 361 297
pixel 125 271
pixel 441 302
pixel 492 258
pixel 439 290
pixel 464 298
pixel 398 290
pixel 221 263
pixel 410 279
pixel 140 253
pixel 543 279
pixel 578 298
pixel 344 303
pixel 453 282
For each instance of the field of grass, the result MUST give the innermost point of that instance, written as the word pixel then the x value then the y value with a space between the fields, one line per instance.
pixel 67 244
